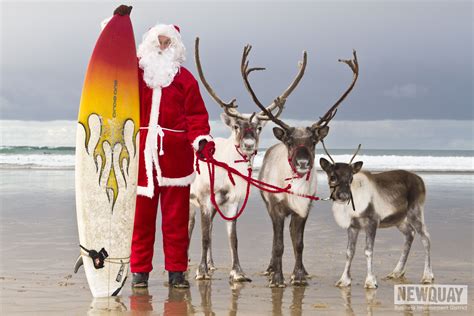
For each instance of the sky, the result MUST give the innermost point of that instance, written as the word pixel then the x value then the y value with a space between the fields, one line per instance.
pixel 415 57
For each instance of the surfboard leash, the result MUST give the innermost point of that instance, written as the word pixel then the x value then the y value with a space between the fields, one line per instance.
pixel 101 256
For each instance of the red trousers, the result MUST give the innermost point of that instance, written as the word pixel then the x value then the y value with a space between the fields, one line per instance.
pixel 174 206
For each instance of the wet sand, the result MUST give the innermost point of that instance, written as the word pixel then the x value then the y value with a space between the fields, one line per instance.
pixel 39 245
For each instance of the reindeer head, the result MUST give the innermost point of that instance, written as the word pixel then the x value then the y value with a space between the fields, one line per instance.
pixel 301 145
pixel 340 176
pixel 245 131
pixel 301 141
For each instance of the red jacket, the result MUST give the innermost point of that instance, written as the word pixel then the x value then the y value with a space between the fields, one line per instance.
pixel 182 120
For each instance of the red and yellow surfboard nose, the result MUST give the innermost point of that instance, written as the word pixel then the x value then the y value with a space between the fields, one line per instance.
pixel 110 90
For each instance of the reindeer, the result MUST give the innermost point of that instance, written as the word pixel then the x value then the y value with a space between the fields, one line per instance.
pixel 292 160
pixel 386 199
pixel 237 151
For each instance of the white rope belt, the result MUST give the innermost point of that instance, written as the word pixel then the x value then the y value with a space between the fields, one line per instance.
pixel 160 132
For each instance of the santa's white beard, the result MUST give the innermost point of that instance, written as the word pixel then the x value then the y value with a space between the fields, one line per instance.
pixel 159 67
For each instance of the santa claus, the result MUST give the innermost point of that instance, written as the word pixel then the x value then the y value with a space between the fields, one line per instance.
pixel 173 120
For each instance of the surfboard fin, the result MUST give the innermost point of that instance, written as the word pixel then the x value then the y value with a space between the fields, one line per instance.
pixel 78 264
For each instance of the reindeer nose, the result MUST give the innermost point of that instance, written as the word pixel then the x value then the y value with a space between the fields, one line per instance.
pixel 249 144
pixel 303 163
pixel 344 196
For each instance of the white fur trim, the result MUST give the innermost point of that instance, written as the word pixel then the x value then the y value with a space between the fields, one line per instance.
pixel 178 182
pixel 150 154
pixel 104 23
pixel 145 191
pixel 199 138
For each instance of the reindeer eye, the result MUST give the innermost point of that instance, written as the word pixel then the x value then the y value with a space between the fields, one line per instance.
pixel 236 127
pixel 259 128
pixel 332 178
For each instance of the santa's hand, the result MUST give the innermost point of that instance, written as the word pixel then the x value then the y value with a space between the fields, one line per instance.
pixel 123 10
pixel 206 149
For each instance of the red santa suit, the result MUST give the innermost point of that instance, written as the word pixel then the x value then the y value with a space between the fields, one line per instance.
pixel 173 120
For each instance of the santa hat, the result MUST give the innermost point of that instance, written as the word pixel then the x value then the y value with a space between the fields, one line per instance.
pixel 169 30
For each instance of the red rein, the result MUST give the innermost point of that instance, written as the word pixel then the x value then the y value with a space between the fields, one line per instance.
pixel 212 163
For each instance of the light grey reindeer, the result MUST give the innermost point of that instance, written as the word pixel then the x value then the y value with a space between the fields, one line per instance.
pixel 238 151
pixel 363 200
pixel 292 160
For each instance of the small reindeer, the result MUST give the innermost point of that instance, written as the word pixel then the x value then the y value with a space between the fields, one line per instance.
pixel 367 201
pixel 237 151
pixel 292 160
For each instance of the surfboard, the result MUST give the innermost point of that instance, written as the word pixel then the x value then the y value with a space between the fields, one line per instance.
pixel 107 158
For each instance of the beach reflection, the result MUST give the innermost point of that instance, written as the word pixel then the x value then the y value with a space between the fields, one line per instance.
pixel 140 302
pixel 370 299
pixel 107 305
pixel 178 302
pixel 296 307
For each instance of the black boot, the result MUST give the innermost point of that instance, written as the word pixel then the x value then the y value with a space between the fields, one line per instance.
pixel 140 280
pixel 177 280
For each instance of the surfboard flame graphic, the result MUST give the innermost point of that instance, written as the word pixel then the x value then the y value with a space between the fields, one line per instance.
pixel 111 144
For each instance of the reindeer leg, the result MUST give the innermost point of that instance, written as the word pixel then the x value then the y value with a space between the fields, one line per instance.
pixel 297 225
pixel 192 221
pixel 210 260
pixel 202 270
pixel 419 224
pixel 409 233
pixel 276 278
pixel 236 274
pixel 352 234
pixel 370 231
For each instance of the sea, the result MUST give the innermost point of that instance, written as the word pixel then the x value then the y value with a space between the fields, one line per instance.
pixel 50 145
pixel 457 161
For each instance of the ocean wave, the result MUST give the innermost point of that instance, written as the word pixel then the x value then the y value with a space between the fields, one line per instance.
pixel 373 163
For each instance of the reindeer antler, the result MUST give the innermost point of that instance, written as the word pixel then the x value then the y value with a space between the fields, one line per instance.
pixel 327 152
pixel 326 118
pixel 357 151
pixel 230 108
pixel 279 102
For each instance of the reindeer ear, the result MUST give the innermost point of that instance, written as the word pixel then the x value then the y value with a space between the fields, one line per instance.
pixel 325 164
pixel 226 119
pixel 279 133
pixel 321 133
pixel 356 166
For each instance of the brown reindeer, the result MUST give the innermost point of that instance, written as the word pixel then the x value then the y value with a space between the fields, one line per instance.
pixel 363 200
pixel 292 160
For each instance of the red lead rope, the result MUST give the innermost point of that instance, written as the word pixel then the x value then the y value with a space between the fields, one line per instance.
pixel 212 162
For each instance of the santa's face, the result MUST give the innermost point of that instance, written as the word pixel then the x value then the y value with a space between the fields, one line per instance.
pixel 164 41
pixel 160 55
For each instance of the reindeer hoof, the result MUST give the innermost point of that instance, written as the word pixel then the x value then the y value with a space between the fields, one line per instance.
pixel 427 278
pixel 200 277
pixel 371 283
pixel 277 280
pixel 299 279
pixel 343 282
pixel 238 277
pixel 395 275
pixel 302 282
pixel 268 272
pixel 201 273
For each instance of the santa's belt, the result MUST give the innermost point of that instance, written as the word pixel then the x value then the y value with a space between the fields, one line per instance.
pixel 160 132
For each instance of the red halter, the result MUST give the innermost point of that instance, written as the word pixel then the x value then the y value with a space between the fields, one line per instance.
pixel 296 175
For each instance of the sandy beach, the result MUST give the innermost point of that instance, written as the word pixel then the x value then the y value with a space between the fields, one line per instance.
pixel 39 245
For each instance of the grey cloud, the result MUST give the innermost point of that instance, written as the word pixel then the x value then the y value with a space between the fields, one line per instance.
pixel 409 90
